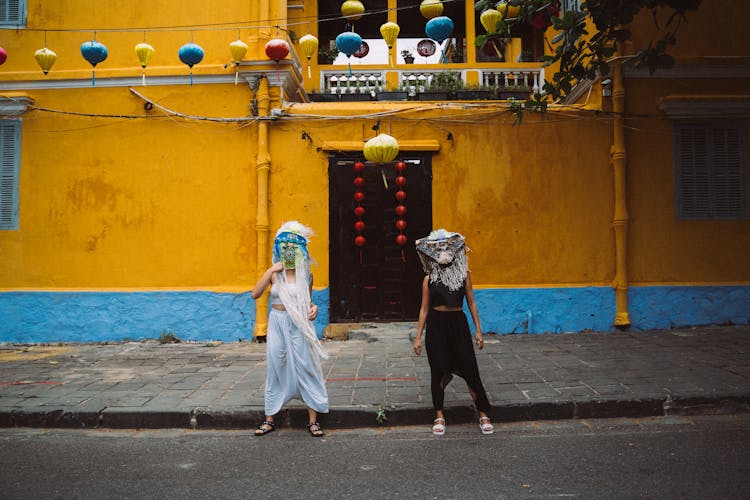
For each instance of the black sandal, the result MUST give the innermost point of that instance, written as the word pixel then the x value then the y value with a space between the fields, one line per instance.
pixel 265 428
pixel 315 429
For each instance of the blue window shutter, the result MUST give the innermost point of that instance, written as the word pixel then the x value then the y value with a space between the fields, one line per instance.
pixel 710 171
pixel 13 12
pixel 10 147
pixel 693 191
pixel 730 187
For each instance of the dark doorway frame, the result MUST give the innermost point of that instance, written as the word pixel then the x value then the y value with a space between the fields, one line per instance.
pixel 380 282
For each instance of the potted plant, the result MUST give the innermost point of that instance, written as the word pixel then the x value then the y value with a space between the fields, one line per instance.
pixel 476 93
pixel 356 95
pixel 442 86
pixel 327 55
pixel 392 95
pixel 322 96
pixel 455 54
pixel 408 56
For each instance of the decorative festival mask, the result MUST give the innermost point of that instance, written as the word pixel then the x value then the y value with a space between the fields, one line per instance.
pixel 443 257
pixel 290 246
pixel 289 252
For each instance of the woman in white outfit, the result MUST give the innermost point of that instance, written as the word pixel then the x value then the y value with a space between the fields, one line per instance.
pixel 293 350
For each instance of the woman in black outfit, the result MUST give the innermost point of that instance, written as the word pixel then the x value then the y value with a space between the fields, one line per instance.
pixel 448 342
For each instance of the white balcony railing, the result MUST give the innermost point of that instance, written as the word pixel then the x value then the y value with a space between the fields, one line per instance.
pixel 511 79
pixel 371 82
pixel 359 82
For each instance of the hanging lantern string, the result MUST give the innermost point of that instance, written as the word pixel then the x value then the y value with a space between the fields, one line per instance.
pixel 249 25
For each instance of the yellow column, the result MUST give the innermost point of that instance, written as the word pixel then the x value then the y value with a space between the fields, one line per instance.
pixel 621 218
pixel 262 168
pixel 471 49
pixel 391 77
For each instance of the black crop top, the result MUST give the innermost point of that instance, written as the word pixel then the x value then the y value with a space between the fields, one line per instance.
pixel 441 295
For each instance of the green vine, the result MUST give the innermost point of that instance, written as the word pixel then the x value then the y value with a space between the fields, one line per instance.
pixel 582 57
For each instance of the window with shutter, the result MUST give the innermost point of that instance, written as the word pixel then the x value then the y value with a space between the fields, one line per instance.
pixel 571 5
pixel 13 12
pixel 10 142
pixel 710 171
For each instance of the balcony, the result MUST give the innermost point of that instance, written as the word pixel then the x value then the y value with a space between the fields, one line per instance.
pixel 365 85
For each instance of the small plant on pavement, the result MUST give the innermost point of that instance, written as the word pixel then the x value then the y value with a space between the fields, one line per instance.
pixel 166 337
pixel 381 417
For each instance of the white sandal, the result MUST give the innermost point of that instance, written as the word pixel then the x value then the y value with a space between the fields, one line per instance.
pixel 486 425
pixel 439 426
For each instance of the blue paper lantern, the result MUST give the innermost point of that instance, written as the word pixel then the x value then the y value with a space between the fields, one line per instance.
pixel 348 42
pixel 440 29
pixel 191 54
pixel 94 52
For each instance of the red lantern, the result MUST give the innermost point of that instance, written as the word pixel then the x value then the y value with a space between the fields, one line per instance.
pixel 359 166
pixel 359 226
pixel 359 211
pixel 400 224
pixel 277 49
pixel 359 182
pixel 400 166
pixel 359 196
pixel 400 195
pixel 401 240
pixel 400 210
pixel 401 181
pixel 360 241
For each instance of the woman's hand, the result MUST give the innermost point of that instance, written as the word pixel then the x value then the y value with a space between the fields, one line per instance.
pixel 479 339
pixel 277 268
pixel 418 345
pixel 313 313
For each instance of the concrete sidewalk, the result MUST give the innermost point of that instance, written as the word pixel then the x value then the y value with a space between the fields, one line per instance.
pixel 376 379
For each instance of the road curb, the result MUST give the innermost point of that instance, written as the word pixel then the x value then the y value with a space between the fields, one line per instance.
pixel 368 416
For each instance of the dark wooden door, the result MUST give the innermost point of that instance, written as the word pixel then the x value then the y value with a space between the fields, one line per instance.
pixel 382 281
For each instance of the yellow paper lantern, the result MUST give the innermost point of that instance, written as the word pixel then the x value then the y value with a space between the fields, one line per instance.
pixel 489 19
pixel 144 52
pixel 431 8
pixel 309 45
pixel 389 31
pixel 508 11
pixel 352 10
pixel 381 149
pixel 46 58
pixel 238 48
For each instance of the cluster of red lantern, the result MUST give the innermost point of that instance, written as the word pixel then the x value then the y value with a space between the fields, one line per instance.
pixel 359 210
pixel 401 238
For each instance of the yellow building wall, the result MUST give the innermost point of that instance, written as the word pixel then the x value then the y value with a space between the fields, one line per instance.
pixel 144 202
pixel 534 206
pixel 111 203
pixel 664 249
pixel 65 24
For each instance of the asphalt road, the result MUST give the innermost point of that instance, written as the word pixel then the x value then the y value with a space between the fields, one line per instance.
pixel 671 457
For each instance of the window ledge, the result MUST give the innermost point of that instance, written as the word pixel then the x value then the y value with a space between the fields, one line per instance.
pixel 11 105
pixel 706 106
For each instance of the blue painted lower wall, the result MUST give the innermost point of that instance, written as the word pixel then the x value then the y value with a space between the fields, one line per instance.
pixel 29 317
pixel 540 310
pixel 653 307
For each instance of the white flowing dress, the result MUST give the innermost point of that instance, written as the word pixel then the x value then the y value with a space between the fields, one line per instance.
pixel 293 367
